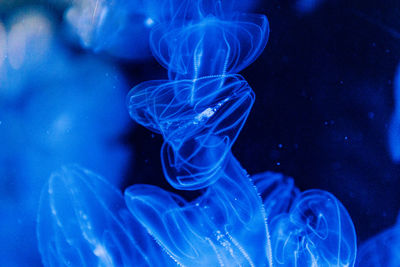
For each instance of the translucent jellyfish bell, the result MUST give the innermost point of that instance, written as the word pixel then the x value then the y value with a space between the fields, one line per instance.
pixel 200 120
pixel 317 231
pixel 83 221
pixel 224 227
pixel 209 47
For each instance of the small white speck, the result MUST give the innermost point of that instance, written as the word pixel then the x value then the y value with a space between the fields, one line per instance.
pixel 149 22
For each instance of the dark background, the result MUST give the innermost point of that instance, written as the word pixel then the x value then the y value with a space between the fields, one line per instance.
pixel 324 97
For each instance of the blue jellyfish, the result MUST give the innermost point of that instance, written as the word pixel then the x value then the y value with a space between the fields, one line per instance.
pixel 212 46
pixel 317 231
pixel 277 191
pixel 83 221
pixel 225 226
pixel 198 122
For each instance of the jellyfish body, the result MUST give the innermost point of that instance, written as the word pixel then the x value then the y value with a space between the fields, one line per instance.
pixel 211 46
pixel 199 111
pixel 224 227
pixel 277 192
pixel 83 221
pixel 317 231
pixel 199 120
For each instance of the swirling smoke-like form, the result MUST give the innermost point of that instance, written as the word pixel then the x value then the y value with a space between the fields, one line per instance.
pixel 239 220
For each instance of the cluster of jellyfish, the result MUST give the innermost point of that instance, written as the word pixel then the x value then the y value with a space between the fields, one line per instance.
pixel 239 219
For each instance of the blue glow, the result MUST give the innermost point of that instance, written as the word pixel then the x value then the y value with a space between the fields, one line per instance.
pixel 307 6
pixel 238 219
pixel 83 221
pixel 382 250
pixel 199 123
pixel 209 47
pixel 394 127
pixel 317 231
pixel 226 226
pixel 52 113
pixel 277 191
pixel 114 26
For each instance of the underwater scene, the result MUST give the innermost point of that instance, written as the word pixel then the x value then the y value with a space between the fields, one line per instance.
pixel 200 133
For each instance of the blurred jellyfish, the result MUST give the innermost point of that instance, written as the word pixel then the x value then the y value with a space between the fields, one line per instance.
pixel 394 127
pixel 382 250
pixel 317 231
pixel 51 113
pixel 118 27
pixel 83 221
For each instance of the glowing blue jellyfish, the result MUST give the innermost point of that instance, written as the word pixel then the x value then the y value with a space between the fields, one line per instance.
pixel 199 121
pixel 237 220
pixel 394 128
pixel 277 191
pixel 83 221
pixel 212 46
pixel 225 226
pixel 382 250
pixel 317 231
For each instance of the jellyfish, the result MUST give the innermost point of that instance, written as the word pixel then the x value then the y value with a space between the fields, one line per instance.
pixel 199 121
pixel 225 226
pixel 83 221
pixel 317 231
pixel 51 113
pixel 277 191
pixel 211 46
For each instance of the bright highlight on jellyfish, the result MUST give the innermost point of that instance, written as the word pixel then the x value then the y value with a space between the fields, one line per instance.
pixel 382 250
pixel 224 227
pixel 83 221
pixel 394 128
pixel 317 231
